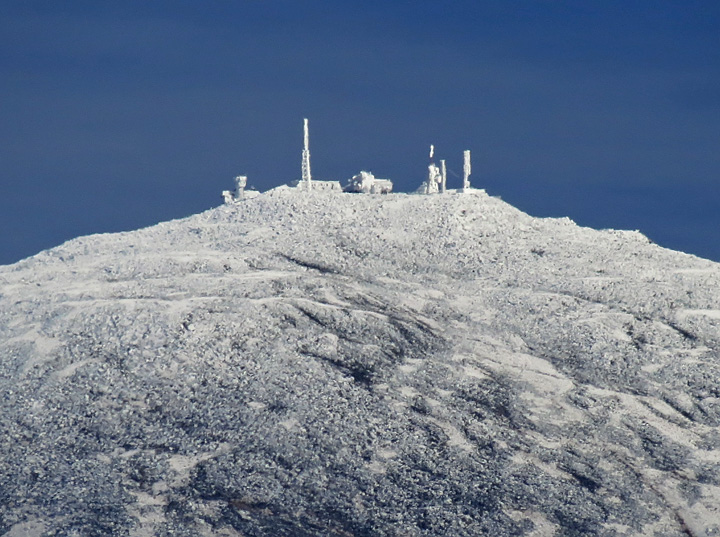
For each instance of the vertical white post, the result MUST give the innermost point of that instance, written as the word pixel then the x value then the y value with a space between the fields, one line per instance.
pixel 431 186
pixel 443 171
pixel 466 170
pixel 306 177
pixel 240 183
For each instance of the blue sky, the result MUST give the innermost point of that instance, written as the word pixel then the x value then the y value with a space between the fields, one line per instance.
pixel 120 115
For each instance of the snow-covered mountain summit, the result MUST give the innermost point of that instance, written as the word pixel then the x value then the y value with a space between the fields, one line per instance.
pixel 320 364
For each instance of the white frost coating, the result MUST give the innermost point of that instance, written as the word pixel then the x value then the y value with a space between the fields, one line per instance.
pixel 27 529
pixel 326 186
pixel 443 172
pixel 367 183
pixel 240 184
pixel 306 138
pixel 433 180
pixel 466 170
pixel 430 185
pixel 398 258
pixel 231 197
pixel 306 177
pixel 436 180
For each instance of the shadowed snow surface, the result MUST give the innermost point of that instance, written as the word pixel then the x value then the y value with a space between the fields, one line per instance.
pixel 347 365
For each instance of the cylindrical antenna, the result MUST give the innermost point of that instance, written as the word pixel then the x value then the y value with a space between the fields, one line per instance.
pixel 306 145
pixel 306 177
pixel 466 170
pixel 443 171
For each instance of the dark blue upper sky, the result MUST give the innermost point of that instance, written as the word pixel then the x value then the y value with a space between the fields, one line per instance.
pixel 120 115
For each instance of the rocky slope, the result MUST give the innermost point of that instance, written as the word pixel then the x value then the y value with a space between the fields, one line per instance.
pixel 348 365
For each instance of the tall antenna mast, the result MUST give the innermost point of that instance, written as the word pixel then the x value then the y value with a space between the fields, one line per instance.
pixel 306 178
pixel 466 170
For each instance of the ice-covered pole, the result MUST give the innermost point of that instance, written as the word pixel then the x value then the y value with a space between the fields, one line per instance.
pixel 443 172
pixel 466 170
pixel 240 183
pixel 306 178
pixel 431 185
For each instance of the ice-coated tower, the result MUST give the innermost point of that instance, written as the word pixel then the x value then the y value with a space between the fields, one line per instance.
pixel 434 178
pixel 466 170
pixel 306 177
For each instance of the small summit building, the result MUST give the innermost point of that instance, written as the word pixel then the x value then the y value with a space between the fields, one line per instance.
pixel 367 183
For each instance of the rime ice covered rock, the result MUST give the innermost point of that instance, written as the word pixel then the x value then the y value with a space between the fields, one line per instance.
pixel 320 364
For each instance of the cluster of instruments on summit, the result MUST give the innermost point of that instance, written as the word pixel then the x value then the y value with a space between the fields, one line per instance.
pixel 364 182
